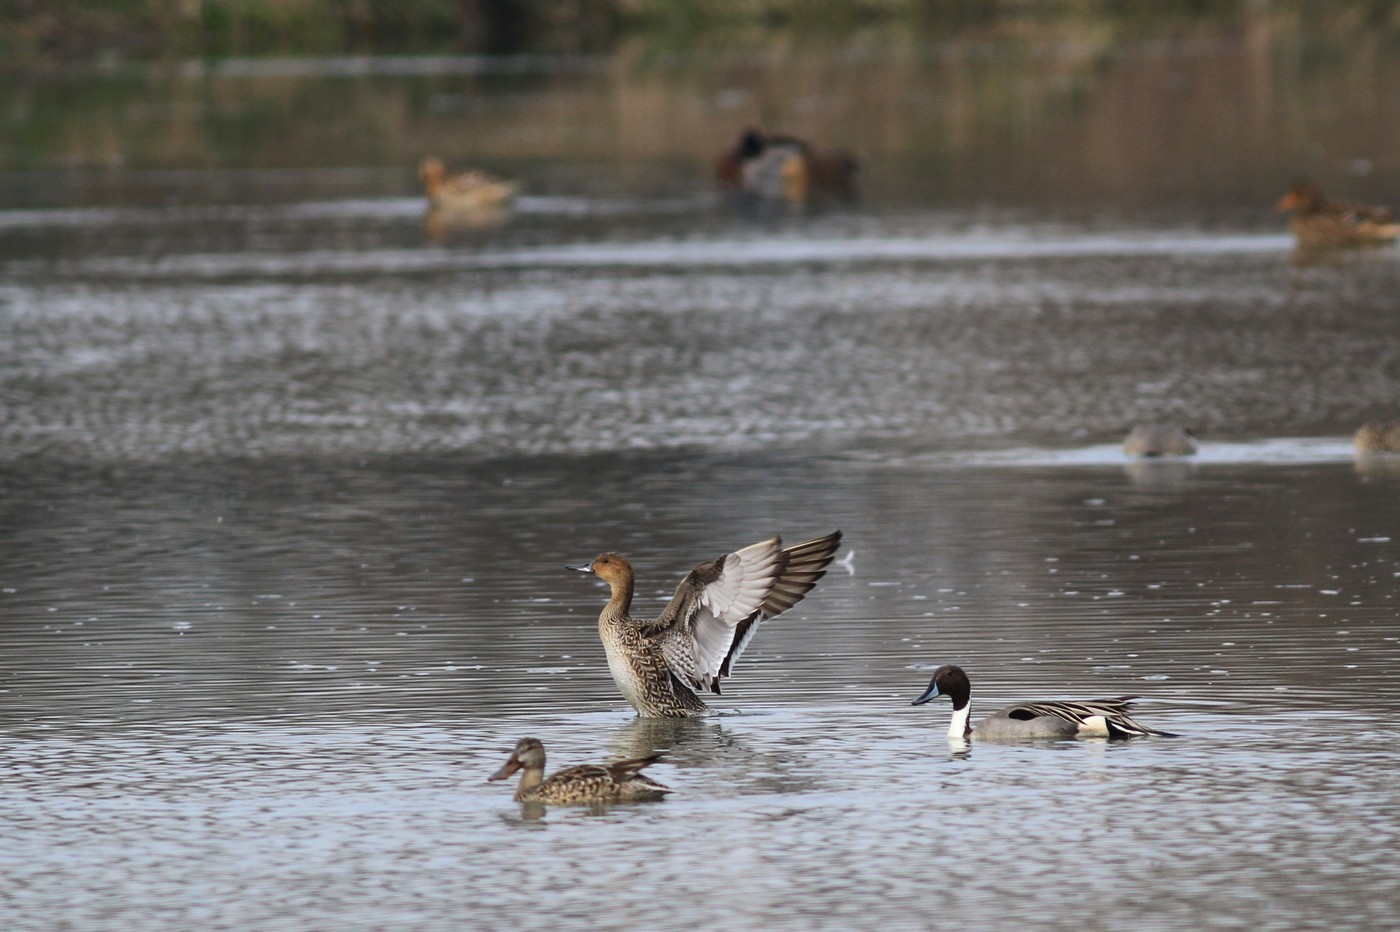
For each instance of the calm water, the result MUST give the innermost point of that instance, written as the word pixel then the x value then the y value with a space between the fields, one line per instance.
pixel 286 487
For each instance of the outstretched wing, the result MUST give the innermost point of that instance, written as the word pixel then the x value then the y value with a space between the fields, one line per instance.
pixel 719 605
pixel 806 563
pixel 708 606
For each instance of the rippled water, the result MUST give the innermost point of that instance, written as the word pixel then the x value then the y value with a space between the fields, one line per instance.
pixel 307 329
pixel 286 486
pixel 268 695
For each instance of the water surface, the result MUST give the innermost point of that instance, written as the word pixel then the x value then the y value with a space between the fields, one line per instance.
pixel 287 481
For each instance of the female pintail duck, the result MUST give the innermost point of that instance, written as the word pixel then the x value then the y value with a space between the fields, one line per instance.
pixel 1103 718
pixel 659 663
pixel 1378 437
pixel 1319 222
pixel 473 190
pixel 1160 440
pixel 785 168
pixel 618 782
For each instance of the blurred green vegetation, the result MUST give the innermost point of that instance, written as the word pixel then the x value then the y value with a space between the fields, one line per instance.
pixel 37 31
pixel 34 30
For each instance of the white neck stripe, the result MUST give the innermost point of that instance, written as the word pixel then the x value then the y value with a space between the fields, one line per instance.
pixel 957 727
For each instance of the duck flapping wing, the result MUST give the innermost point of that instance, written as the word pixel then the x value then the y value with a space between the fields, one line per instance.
pixel 718 607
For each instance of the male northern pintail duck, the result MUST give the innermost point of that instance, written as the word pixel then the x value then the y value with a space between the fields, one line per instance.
pixel 1160 440
pixel 777 167
pixel 1320 222
pixel 1378 437
pixel 696 640
pixel 1103 718
pixel 618 782
pixel 473 190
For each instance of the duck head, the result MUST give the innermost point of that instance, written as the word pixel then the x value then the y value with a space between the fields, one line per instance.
pixel 614 570
pixel 528 753
pixel 610 567
pixel 1302 196
pixel 948 680
pixel 431 171
pixel 750 145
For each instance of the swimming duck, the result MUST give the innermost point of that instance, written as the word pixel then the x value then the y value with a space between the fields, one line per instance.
pixel 473 190
pixel 1378 437
pixel 618 782
pixel 1319 222
pixel 785 168
pixel 1103 718
pixel 659 663
pixel 1160 440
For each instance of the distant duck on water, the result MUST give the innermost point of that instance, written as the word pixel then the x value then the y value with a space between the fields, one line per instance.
pixel 621 781
pixel 1101 718
pixel 660 663
pixel 473 190
pixel 780 168
pixel 1378 437
pixel 1152 440
pixel 1320 223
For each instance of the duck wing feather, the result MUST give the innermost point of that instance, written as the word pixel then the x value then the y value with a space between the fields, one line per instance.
pixel 601 775
pixel 1114 713
pixel 718 606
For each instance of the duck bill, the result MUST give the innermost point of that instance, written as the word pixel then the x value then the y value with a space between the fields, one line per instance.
pixel 508 768
pixel 581 568
pixel 1286 203
pixel 932 693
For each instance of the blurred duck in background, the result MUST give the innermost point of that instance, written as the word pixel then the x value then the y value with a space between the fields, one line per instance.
pixel 1150 440
pixel 1322 223
pixel 470 201
pixel 783 170
pixel 473 190
pixel 1378 437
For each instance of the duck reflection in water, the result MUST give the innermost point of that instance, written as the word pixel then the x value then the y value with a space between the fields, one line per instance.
pixel 721 757
pixel 442 223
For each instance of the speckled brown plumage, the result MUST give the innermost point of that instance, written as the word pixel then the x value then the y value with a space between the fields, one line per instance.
pixel 1378 437
pixel 660 663
pixel 1160 440
pixel 618 782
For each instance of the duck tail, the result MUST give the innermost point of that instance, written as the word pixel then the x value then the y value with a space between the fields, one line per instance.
pixel 1128 728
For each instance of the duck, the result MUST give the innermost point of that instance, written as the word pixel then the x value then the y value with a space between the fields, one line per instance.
pixel 618 782
pixel 468 191
pixel 1152 440
pixel 1101 718
pixel 1319 222
pixel 777 167
pixel 660 663
pixel 1378 437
